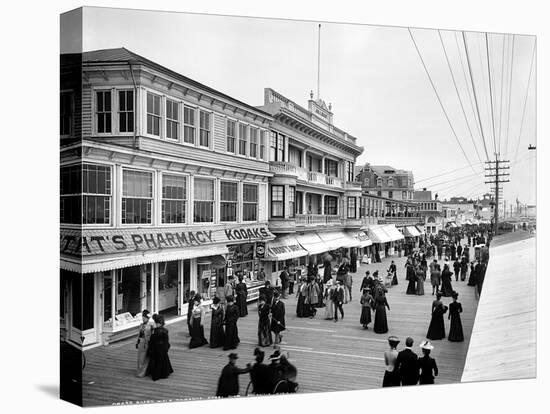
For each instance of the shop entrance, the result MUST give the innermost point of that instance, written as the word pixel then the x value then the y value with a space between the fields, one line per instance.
pixel 173 287
pixel 82 293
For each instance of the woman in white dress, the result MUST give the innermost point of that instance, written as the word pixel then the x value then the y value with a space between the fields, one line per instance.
pixel 329 304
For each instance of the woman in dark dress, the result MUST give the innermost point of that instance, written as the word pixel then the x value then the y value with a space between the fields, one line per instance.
pixel 217 335
pixel 455 309
pixel 366 305
pixel 192 295
pixel 427 365
pixel 159 363
pixel 380 319
pixel 393 271
pixel 230 321
pixel 446 282
pixel 301 296
pixel 264 324
pixel 197 327
pixel 437 324
pixel 472 278
pixel 242 293
pixel 463 269
pixel 411 277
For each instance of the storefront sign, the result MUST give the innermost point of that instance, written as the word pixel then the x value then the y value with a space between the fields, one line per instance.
pixel 100 242
pixel 260 250
pixel 279 250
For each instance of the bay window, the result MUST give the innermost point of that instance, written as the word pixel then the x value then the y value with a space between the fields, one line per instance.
pixel 172 120
pixel 331 205
pixel 137 197
pixel 228 201
pixel 203 205
pixel 153 114
pixel 231 126
pixel 277 200
pixel 85 194
pixel 243 136
pixel 188 125
pixel 174 198
pixel 292 202
pixel 276 146
pixel 262 144
pixel 250 202
pixel 331 168
pixel 103 111
pixel 204 138
pixel 352 207
pixel 125 111
pixel 253 142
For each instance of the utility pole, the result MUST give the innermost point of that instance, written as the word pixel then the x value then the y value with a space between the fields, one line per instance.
pixel 495 174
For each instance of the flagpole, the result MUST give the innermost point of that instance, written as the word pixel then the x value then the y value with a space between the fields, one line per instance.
pixel 319 64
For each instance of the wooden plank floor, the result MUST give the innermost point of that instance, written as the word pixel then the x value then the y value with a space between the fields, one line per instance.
pixel 329 356
pixel 503 343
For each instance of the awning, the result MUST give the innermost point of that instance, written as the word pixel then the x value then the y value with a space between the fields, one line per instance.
pixel 420 230
pixel 361 238
pixel 392 231
pixel 284 248
pixel 312 243
pixel 336 239
pixel 411 231
pixel 378 235
pixel 110 262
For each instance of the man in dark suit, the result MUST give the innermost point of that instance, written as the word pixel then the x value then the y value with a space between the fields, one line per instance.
pixel 277 317
pixel 338 299
pixel 228 384
pixel 267 292
pixel 284 276
pixel 406 364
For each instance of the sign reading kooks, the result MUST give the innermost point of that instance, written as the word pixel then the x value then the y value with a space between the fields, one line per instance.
pixel 99 242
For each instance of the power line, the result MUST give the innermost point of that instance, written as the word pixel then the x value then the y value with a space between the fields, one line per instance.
pixel 439 99
pixel 501 92
pixel 458 94
pixel 454 179
pixel 510 94
pixel 446 173
pixel 475 93
pixel 490 90
pixel 467 83
pixel 526 95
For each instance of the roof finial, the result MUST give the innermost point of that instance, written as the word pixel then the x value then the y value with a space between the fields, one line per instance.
pixel 330 106
pixel 311 94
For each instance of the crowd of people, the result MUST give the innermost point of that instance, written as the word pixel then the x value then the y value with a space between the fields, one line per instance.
pixel 330 289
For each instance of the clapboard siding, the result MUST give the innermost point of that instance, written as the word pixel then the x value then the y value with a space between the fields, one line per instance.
pixel 219 133
pixel 199 155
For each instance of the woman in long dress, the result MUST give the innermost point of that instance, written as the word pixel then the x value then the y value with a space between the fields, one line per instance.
pixel 197 326
pixel 159 363
pixel 391 377
pixel 264 324
pixel 427 365
pixel 446 282
pixel 437 324
pixel 301 298
pixel 329 304
pixel 312 297
pixel 230 321
pixel 420 277
pixel 366 304
pixel 242 293
pixel 145 330
pixel 472 279
pixel 411 277
pixel 456 333
pixel 217 335
pixel 380 304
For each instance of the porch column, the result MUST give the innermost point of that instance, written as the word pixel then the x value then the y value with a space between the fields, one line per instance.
pixel 304 208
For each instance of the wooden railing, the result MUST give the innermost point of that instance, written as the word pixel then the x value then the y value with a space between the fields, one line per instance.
pixel 318 220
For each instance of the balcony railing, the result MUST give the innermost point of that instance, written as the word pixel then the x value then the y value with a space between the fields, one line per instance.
pixel 279 167
pixel 286 168
pixel 318 220
pixel 409 221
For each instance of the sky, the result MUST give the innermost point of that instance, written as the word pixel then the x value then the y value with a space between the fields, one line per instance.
pixel 372 75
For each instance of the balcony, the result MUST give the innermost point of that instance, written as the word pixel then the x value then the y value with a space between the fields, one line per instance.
pixel 366 221
pixel 399 221
pixel 313 177
pixel 317 220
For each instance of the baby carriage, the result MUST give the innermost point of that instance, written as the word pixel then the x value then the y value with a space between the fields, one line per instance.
pixel 281 376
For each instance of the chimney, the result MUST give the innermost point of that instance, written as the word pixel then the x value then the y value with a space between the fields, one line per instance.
pixel 424 189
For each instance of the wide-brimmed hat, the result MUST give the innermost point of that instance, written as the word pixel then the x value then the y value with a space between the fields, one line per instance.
pixel 233 355
pixel 426 345
pixel 393 339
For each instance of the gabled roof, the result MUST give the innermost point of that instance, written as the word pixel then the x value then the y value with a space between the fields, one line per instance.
pixel 121 55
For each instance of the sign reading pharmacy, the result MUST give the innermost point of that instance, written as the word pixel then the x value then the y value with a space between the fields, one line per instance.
pixel 90 242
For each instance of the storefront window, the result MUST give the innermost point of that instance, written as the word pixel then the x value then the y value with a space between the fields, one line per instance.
pixel 83 301
pixel 203 279
pixel 168 288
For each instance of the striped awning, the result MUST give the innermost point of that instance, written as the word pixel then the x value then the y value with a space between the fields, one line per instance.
pixel 284 248
pixel 336 239
pixel 411 231
pixel 312 243
pixel 378 235
pixel 392 231
pixel 361 238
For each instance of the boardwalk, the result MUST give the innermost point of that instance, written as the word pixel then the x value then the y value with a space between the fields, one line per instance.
pixel 329 356
pixel 503 343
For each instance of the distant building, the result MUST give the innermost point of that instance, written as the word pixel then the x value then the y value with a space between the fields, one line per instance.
pixel 458 210
pixel 430 210
pixel 386 181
